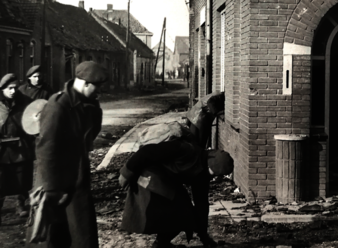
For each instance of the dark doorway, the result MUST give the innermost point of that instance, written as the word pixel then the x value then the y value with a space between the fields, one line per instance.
pixel 331 107
pixel 324 87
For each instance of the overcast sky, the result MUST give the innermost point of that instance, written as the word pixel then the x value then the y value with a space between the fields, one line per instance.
pixel 150 13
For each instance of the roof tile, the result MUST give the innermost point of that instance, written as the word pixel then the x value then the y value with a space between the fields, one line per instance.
pixel 122 16
pixel 73 27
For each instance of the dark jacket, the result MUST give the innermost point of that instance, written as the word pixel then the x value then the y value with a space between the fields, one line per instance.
pixel 157 201
pixel 33 92
pixel 10 126
pixel 68 126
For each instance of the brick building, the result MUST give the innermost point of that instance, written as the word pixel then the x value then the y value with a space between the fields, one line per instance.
pixel 276 61
pixel 168 63
pixel 181 54
pixel 120 17
pixel 71 37
pixel 17 49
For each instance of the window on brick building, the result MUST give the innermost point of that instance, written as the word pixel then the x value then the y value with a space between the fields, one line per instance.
pixel 21 61
pixel 9 56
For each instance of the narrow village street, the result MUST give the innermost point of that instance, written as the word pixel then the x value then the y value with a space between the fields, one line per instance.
pixel 122 111
pixel 263 73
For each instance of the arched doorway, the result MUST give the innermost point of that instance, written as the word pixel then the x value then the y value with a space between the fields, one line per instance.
pixel 324 88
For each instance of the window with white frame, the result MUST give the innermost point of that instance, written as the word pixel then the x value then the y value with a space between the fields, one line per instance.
pixel 222 71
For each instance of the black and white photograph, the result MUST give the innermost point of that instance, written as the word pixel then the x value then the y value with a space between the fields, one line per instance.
pixel 168 124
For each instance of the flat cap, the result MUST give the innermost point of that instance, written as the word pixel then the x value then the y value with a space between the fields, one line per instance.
pixel 7 79
pixel 91 72
pixel 32 70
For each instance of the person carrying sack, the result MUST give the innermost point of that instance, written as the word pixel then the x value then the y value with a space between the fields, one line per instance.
pixel 157 201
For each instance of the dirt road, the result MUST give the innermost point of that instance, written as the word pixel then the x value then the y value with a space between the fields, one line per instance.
pixel 123 111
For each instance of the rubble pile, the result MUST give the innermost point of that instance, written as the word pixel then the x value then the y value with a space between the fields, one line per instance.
pixel 223 188
pixel 107 193
pixel 326 207
pixel 262 233
pixel 109 202
pixel 96 156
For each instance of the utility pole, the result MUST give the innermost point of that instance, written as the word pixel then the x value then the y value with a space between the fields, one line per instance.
pixel 163 64
pixel 127 80
pixel 159 45
pixel 43 34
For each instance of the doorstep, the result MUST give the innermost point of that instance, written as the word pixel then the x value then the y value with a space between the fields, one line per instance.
pixel 237 215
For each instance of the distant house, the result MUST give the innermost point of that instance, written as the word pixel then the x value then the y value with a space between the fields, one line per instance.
pixel 121 17
pixel 73 36
pixel 141 56
pixel 17 49
pixel 181 54
pixel 169 61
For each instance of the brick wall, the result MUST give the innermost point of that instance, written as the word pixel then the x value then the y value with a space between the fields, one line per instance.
pixel 191 82
pixel 305 18
pixel 199 50
pixel 300 108
pixel 256 109
pixel 216 48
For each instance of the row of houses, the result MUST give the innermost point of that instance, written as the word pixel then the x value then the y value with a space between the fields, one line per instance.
pixel 71 35
pixel 175 61
pixel 276 61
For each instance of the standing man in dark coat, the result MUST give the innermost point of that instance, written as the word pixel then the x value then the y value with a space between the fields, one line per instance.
pixel 35 88
pixel 16 151
pixel 157 201
pixel 69 123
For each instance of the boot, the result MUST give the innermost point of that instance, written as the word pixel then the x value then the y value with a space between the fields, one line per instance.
pixel 207 240
pixel 20 207
pixel 1 204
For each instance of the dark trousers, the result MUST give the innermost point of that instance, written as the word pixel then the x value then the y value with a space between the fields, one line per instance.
pixel 165 238
pixel 16 178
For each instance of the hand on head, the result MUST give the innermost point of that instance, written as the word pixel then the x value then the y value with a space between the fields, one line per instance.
pixel 220 162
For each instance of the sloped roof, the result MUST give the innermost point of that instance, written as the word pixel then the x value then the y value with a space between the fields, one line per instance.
pixel 155 48
pixel 134 43
pixel 73 27
pixel 11 14
pixel 122 15
pixel 181 44
pixel 30 11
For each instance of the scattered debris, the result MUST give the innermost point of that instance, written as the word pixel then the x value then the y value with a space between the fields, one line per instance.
pixel 106 135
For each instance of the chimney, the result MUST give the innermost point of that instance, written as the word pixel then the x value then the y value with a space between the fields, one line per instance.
pixel 109 12
pixel 81 4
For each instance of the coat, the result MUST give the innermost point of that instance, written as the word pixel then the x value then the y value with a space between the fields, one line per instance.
pixel 157 201
pixel 69 124
pixel 43 92
pixel 10 127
